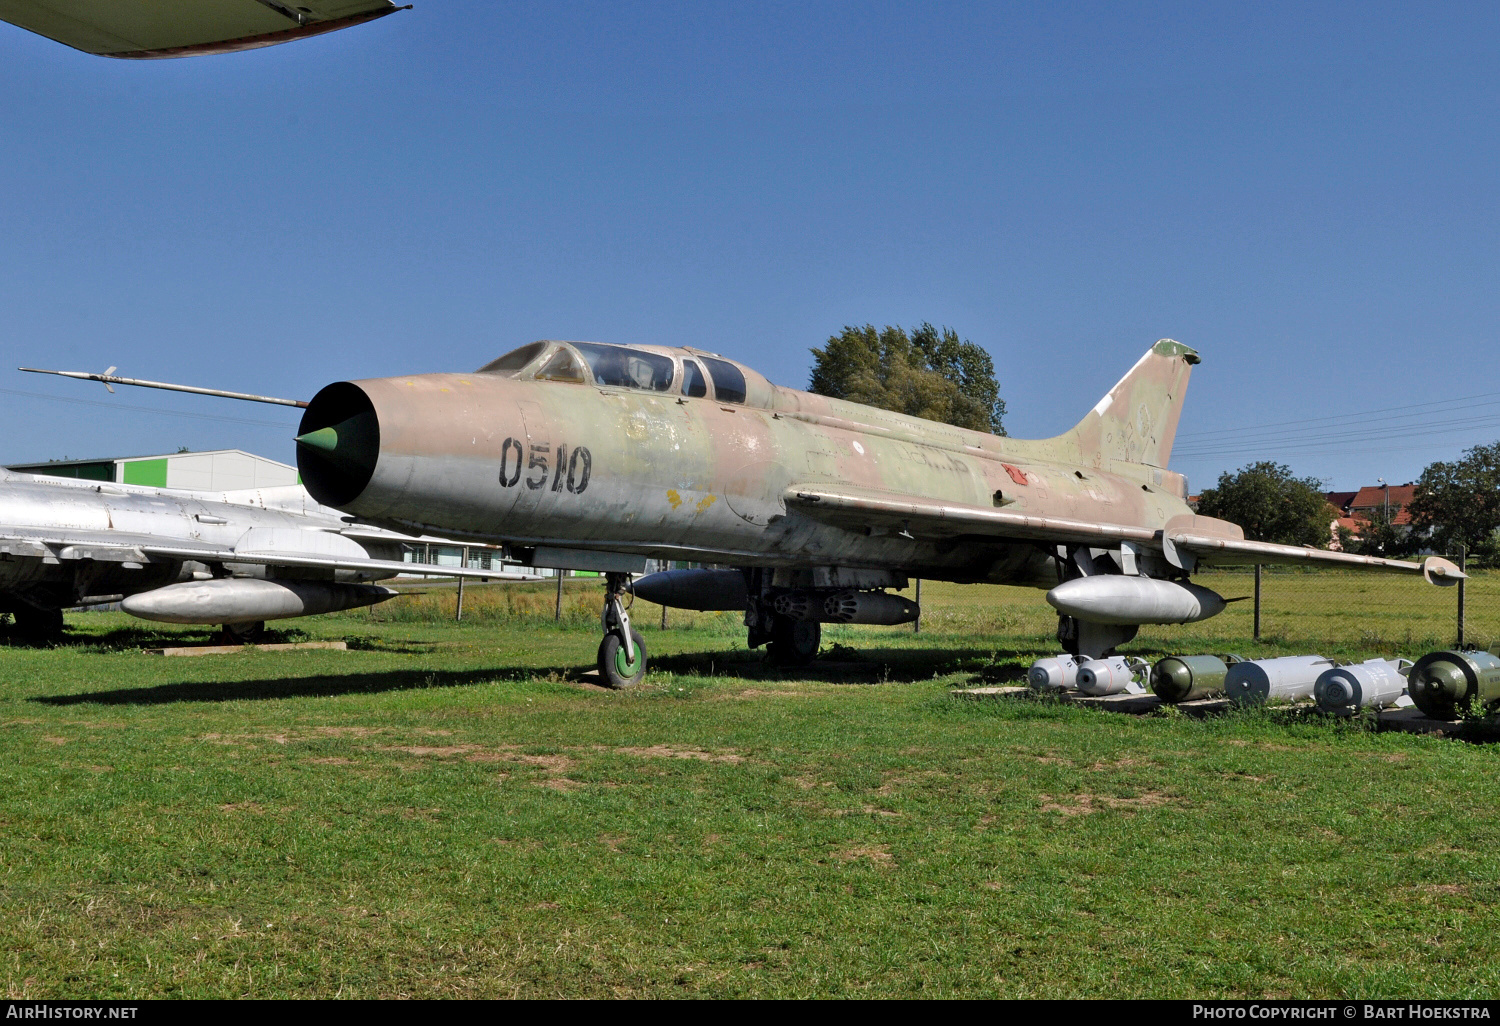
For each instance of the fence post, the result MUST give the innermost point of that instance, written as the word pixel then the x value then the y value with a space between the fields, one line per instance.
pixel 1463 561
pixel 663 617
pixel 1257 601
pixel 916 625
pixel 458 612
pixel 557 613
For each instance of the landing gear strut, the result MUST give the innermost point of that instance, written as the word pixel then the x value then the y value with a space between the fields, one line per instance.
pixel 1089 640
pixel 622 653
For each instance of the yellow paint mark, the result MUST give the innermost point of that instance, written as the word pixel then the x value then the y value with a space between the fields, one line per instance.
pixel 674 498
pixel 705 502
pixel 461 381
pixel 442 390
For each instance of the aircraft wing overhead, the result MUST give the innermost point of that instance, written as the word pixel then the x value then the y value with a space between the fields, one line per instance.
pixel 1211 551
pixel 932 518
pixel 1187 541
pixel 65 544
pixel 145 29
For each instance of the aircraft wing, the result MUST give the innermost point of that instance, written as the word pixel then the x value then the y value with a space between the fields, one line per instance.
pixel 61 545
pixel 1186 541
pixel 144 29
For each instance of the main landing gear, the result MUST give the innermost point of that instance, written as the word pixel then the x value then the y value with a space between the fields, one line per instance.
pixel 241 633
pixel 622 653
pixel 37 625
pixel 793 642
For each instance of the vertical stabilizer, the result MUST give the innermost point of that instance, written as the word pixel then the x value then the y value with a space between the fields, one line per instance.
pixel 1137 421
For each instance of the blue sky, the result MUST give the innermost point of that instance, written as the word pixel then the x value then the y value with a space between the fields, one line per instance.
pixel 1305 193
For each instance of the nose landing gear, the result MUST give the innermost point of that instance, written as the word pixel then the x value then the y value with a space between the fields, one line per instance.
pixel 622 653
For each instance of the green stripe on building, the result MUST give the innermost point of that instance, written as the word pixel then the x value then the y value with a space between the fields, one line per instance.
pixel 145 472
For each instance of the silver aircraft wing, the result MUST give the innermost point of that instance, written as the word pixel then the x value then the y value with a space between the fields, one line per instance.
pixel 57 545
pixel 1186 541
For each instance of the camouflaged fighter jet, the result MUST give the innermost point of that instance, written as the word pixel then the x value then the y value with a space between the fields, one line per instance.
pixel 598 457
pixel 234 558
pixel 149 29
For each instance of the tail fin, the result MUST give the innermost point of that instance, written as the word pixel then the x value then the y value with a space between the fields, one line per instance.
pixel 1137 421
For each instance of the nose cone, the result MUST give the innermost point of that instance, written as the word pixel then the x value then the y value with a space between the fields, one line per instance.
pixel 1439 688
pixel 1335 691
pixel 1172 680
pixel 326 439
pixel 349 444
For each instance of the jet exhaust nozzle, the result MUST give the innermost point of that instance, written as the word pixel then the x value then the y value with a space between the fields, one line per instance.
pixel 1118 599
pixel 250 600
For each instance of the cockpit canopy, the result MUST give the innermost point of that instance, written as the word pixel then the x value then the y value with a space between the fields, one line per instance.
pixel 655 369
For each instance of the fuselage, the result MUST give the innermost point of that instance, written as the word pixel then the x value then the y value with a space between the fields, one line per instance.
pixel 508 457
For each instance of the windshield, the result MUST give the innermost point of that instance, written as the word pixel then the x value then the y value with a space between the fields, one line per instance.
pixel 627 368
pixel 513 360
pixel 564 366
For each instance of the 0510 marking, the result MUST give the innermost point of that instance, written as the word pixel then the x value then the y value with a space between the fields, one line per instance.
pixel 536 465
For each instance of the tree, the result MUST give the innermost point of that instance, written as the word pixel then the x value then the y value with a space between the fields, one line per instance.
pixel 1271 505
pixel 928 373
pixel 1458 503
pixel 1379 536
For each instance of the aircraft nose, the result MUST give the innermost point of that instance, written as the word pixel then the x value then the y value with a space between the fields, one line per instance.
pixel 338 444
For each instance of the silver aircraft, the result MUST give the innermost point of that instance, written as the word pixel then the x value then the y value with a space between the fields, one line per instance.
pixel 234 558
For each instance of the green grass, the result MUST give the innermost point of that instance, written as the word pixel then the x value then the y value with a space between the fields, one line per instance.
pixel 441 811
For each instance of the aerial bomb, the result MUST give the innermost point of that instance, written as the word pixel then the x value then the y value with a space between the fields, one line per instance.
pixel 1372 684
pixel 704 590
pixel 1118 599
pixel 1113 675
pixel 1059 671
pixel 249 600
pixel 1188 678
pixel 1443 684
pixel 1286 678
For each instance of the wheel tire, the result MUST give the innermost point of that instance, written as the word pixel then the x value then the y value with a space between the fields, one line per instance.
pixel 242 633
pixel 614 670
pixel 38 624
pixel 794 642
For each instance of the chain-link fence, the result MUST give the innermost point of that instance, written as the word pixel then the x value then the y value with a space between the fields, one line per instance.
pixel 1350 607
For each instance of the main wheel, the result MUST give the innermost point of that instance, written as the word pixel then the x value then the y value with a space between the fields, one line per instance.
pixel 38 624
pixel 614 668
pixel 242 633
pixel 794 642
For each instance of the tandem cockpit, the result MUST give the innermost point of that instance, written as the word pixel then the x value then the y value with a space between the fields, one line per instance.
pixel 682 372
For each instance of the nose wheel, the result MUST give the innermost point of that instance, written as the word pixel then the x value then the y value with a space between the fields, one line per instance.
pixel 622 653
